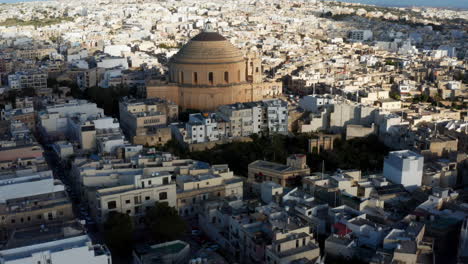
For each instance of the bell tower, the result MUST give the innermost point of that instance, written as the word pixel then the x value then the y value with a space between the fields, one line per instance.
pixel 254 67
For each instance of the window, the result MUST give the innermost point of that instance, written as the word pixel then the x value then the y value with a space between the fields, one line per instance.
pixel 210 77
pixel 256 69
pixel 129 211
pixel 166 180
pixel 13 221
pixel 112 205
pixel 127 201
pixel 182 77
pixel 238 75
pixel 149 182
pixel 147 198
pixel 195 78
pixel 50 216
pixel 137 199
pixel 297 243
pixel 226 77
pixel 163 196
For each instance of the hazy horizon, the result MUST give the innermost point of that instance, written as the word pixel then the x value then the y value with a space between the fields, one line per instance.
pixel 406 3
pixel 387 3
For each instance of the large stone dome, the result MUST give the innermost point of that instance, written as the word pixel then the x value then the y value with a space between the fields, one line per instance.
pixel 207 48
pixel 208 59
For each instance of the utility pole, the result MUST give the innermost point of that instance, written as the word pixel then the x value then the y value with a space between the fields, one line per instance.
pixel 323 168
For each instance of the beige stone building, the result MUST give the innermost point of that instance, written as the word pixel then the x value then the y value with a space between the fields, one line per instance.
pixel 209 71
pixel 144 120
pixel 31 200
pixel 203 184
pixel 322 142
pixel 125 190
pixel 260 170
pixel 290 245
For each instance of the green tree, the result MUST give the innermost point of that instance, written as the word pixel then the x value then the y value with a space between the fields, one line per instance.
pixel 118 233
pixel 395 95
pixel 164 223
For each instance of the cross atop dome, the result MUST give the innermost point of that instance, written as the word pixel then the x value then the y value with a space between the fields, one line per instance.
pixel 208 27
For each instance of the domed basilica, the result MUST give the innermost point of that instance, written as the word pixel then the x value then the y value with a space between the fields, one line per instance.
pixel 209 71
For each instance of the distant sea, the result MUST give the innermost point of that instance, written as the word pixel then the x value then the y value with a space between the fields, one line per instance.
pixel 409 3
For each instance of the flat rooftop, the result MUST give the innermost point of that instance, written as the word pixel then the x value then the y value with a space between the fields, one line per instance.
pixel 33 187
pixel 272 166
pixel 53 246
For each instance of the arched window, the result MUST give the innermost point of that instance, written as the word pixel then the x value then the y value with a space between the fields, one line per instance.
pixel 226 77
pixel 195 78
pixel 210 77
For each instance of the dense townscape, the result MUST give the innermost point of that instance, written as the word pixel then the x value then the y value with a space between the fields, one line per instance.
pixel 244 131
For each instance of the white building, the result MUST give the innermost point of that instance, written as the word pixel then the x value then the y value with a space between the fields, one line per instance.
pixel 360 35
pixel 269 190
pixel 117 50
pixel 55 120
pixel 404 167
pixel 202 128
pixel 313 103
pixel 112 62
pixel 73 250
pixel 266 116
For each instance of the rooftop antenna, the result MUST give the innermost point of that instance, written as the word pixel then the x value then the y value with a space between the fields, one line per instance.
pixel 323 168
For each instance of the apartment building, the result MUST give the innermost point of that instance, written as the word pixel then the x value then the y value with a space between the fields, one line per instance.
pixel 292 243
pixel 54 121
pixel 33 79
pixel 204 183
pixel 74 249
pixel 284 175
pixel 144 120
pixel 266 116
pixel 204 127
pixel 35 53
pixel 360 35
pixel 404 167
pixel 25 115
pixel 32 199
pixel 102 134
pixel 126 190
pixel 313 103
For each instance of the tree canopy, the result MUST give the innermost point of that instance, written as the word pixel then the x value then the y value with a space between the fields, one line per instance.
pixel 164 223
pixel 118 233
